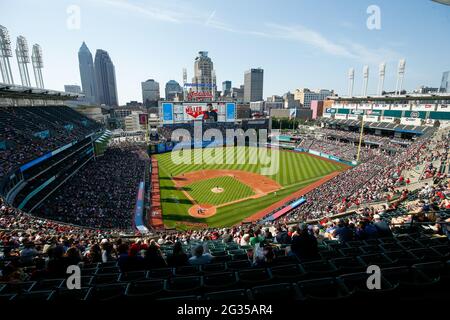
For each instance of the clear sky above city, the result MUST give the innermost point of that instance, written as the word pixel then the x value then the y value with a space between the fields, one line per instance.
pixel 297 43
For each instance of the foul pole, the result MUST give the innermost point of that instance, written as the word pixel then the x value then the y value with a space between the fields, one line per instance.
pixel 360 138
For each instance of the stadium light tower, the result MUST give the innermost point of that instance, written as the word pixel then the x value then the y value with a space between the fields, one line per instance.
pixel 38 64
pixel 351 81
pixel 382 71
pixel 5 54
pixel 365 80
pixel 400 76
pixel 23 58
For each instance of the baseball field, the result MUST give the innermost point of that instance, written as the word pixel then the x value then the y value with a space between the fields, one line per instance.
pixel 224 193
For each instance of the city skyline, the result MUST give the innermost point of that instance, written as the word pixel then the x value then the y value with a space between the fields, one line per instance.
pixel 302 50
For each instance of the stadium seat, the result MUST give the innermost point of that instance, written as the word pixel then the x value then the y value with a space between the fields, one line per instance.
pixel 323 289
pixel 146 289
pixel 236 251
pixel 330 254
pixel 402 257
pixel 288 273
pixel 187 271
pixel 392 246
pixel 410 244
pixel 106 292
pixel 219 281
pixel 443 250
pixel 47 284
pixel 161 273
pixel 239 256
pixel 355 244
pixel 254 277
pixel 368 249
pixel 239 265
pixel 435 270
pixel 348 264
pixel 67 295
pixel 276 292
pixel 35 296
pixel 371 242
pixel 356 283
pixel 105 278
pixel 19 287
pixel 411 282
pixel 219 253
pixel 426 254
pixel 4 298
pixel 351 251
pixel 184 285
pixel 213 267
pixel 319 269
pixel 132 276
pixel 107 270
pixel 222 258
pixel 89 271
pixel 234 295
pixel 378 259
pixel 284 260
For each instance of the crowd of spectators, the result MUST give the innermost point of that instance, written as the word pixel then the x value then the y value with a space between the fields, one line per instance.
pixel 103 193
pixel 30 132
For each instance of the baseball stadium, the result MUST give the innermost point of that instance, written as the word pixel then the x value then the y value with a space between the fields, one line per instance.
pixel 204 197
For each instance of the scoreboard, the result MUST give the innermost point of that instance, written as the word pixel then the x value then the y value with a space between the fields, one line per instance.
pixel 179 112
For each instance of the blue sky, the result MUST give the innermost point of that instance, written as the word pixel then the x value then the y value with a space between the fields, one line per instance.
pixel 297 43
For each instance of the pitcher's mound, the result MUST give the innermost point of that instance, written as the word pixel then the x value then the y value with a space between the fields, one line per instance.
pixel 202 211
pixel 217 190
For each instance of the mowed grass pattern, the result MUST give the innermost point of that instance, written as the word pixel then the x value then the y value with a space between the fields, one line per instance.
pixel 296 171
pixel 232 190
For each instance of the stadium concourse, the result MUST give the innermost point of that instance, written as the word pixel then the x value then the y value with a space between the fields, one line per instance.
pixel 371 214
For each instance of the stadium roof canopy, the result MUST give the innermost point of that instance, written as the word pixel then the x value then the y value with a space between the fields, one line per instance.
pixel 378 125
pixel 16 91
pixel 403 97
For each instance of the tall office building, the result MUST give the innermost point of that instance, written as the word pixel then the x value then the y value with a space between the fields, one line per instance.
pixel 87 73
pixel 172 90
pixel 105 78
pixel 150 93
pixel 204 76
pixel 226 88
pixel 253 85
pixel 445 85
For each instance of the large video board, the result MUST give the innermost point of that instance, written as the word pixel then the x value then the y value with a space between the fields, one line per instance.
pixel 179 112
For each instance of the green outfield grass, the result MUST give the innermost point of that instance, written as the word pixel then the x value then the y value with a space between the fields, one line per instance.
pixel 296 170
pixel 232 190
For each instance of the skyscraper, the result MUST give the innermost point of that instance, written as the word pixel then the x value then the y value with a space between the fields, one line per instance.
pixel 150 93
pixel 204 77
pixel 226 88
pixel 105 78
pixel 253 85
pixel 172 89
pixel 445 85
pixel 87 74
